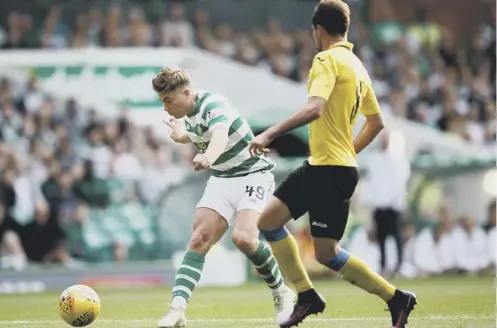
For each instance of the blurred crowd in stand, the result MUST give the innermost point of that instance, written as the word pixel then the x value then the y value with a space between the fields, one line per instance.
pixel 55 156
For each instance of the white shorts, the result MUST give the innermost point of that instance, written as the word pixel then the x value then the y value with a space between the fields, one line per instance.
pixel 227 196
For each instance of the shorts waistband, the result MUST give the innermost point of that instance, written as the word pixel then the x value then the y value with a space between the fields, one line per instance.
pixel 263 171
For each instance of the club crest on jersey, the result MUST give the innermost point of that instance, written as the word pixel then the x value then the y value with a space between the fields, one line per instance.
pixel 200 144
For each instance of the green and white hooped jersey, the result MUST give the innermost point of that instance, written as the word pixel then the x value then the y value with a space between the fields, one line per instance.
pixel 212 109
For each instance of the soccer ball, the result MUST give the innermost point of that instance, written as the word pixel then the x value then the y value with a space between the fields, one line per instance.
pixel 79 305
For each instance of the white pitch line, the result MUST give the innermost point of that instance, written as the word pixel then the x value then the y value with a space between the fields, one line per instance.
pixel 258 320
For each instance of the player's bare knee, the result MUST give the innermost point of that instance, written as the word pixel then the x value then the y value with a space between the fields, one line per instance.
pixel 245 241
pixel 201 241
pixel 325 250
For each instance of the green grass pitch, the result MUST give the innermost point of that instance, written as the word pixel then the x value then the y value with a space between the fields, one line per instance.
pixel 444 303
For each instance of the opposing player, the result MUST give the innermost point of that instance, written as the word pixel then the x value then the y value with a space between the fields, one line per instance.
pixel 235 193
pixel 338 89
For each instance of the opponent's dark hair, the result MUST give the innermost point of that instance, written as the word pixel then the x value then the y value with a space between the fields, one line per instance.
pixel 333 16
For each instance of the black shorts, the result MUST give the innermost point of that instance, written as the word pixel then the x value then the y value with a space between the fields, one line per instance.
pixel 324 192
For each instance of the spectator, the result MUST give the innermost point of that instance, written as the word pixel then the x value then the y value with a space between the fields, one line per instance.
pixel 11 251
pixel 139 33
pixel 471 246
pixel 124 165
pixel 81 37
pixel 33 98
pixel 444 247
pixel 43 239
pixel 427 252
pixel 385 191
pixel 110 32
pixel 201 25
pixel 57 190
pixel 65 153
pixel 73 120
pixel 98 152
pixel 434 248
pixel 51 189
pixel 95 26
pixel 10 122
pixel 159 174
pixel 55 33
pixel 75 219
pixel 16 31
pixel 90 188
pixel 26 189
pixel 224 33
pixel 177 31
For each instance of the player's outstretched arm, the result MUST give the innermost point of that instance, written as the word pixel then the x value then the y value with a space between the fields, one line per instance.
pixel 217 145
pixel 308 113
pixel 369 131
pixel 324 76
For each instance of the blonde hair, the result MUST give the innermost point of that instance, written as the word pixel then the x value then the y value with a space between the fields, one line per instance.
pixel 168 79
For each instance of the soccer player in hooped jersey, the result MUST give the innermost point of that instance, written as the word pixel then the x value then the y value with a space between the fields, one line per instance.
pixel 235 193
pixel 338 89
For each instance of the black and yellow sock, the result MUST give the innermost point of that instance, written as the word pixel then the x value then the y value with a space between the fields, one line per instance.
pixel 286 252
pixel 357 272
